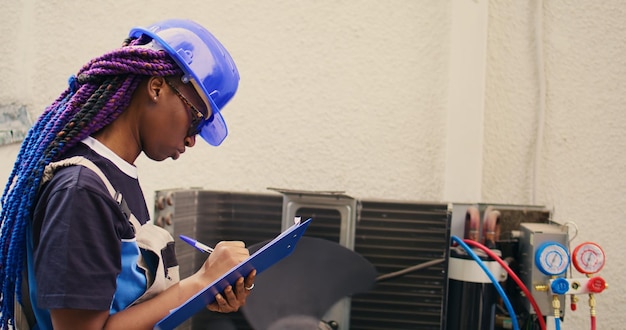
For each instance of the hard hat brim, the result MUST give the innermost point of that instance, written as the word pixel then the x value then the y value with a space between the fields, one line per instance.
pixel 214 130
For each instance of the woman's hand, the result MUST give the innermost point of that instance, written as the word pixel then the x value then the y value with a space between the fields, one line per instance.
pixel 232 300
pixel 225 256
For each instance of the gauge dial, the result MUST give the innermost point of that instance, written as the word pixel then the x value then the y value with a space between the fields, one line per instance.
pixel 588 258
pixel 552 258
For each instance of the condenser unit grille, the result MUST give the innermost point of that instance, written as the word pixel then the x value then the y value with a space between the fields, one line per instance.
pixel 391 235
pixel 251 218
pixel 247 217
pixel 395 236
pixel 213 216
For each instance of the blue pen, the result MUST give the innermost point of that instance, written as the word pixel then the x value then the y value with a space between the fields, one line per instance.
pixel 196 244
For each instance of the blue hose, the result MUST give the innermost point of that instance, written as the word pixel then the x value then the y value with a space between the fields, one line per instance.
pixel 482 265
pixel 557 323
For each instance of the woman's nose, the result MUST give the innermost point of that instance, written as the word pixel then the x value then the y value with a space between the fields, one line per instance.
pixel 190 141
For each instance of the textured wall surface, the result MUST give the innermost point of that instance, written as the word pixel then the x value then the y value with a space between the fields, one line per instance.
pixel 351 96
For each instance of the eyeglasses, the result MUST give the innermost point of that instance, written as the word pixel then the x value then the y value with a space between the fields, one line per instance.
pixel 197 117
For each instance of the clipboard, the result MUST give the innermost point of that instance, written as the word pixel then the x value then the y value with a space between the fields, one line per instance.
pixel 272 252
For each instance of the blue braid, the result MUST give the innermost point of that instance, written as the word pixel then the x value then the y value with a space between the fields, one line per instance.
pixel 17 200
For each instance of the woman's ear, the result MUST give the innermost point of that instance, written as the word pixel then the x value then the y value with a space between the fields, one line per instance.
pixel 155 84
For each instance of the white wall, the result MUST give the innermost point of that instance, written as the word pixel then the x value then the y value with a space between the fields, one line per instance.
pixel 353 96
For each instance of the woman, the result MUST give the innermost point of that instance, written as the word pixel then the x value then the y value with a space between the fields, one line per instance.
pixel 73 213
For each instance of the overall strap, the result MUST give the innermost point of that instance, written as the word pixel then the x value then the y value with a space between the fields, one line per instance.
pixel 48 173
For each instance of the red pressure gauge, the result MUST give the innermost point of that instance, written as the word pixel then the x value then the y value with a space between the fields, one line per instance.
pixel 588 258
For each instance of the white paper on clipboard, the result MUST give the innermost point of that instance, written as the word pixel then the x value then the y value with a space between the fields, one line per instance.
pixel 272 252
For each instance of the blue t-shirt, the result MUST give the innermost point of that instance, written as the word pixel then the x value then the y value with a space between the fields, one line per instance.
pixel 79 231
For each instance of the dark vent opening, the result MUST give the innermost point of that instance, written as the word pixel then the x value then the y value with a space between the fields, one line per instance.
pixel 326 223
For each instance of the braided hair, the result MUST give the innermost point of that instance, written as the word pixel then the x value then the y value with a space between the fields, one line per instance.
pixel 96 96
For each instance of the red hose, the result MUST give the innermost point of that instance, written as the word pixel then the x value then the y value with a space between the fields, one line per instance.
pixel 515 278
pixel 593 322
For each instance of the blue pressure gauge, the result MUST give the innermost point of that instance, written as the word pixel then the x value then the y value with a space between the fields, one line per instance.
pixel 552 258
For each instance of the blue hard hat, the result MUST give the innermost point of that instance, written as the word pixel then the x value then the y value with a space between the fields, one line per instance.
pixel 205 63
